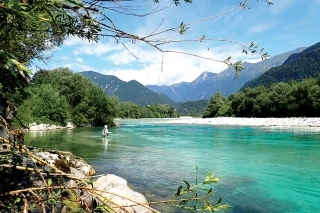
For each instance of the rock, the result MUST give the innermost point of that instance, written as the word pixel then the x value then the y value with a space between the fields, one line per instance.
pixel 118 186
pixel 16 176
pixel 20 171
pixel 77 165
pixel 43 127
pixel 70 125
pixel 7 109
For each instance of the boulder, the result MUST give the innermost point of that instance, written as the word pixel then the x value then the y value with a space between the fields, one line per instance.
pixel 116 189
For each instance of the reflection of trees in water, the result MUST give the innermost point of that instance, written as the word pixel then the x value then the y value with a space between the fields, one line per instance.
pixel 83 142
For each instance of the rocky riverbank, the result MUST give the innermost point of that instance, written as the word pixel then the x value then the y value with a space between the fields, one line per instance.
pixel 44 127
pixel 235 121
pixel 37 174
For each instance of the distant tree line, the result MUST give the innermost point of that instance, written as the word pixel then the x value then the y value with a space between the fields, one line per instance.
pixel 60 95
pixel 131 110
pixel 193 108
pixel 292 99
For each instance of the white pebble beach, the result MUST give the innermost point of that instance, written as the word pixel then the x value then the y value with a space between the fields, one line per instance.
pixel 236 121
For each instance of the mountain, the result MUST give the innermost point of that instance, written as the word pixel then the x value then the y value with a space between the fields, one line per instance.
pixel 297 67
pixel 127 91
pixel 224 82
pixel 193 108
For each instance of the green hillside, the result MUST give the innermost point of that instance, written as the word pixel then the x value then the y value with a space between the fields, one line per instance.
pixel 297 67
pixel 131 91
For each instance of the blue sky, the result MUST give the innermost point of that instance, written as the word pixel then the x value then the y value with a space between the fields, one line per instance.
pixel 284 26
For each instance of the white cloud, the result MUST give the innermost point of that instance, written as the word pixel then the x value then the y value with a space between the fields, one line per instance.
pixel 72 41
pixel 75 52
pixel 80 60
pixel 99 49
pixel 134 53
pixel 176 67
pixel 259 28
pixel 91 48
pixel 83 67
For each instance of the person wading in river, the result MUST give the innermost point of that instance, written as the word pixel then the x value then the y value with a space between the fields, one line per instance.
pixel 105 131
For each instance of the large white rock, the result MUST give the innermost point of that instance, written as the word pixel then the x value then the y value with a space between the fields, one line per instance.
pixel 116 185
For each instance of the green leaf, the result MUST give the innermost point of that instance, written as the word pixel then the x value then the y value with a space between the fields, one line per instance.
pixel 179 191
pixel 17 200
pixel 209 191
pixel 188 185
pixel 210 179
pixel 220 200
pixel 49 182
pixel 209 176
pixel 224 207
pixel 21 67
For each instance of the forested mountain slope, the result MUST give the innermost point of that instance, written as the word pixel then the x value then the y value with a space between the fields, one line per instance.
pixel 132 91
pixel 193 108
pixel 297 67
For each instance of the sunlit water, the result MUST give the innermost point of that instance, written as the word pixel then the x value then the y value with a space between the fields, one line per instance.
pixel 260 169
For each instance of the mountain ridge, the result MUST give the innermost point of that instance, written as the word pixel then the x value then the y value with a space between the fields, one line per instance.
pixel 297 67
pixel 224 82
pixel 132 91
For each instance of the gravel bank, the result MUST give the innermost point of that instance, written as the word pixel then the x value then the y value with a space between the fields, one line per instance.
pixel 233 121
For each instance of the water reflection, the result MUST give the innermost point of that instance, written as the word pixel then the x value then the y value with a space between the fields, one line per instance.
pixel 105 142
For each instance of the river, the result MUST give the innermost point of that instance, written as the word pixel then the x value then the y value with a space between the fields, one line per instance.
pixel 261 169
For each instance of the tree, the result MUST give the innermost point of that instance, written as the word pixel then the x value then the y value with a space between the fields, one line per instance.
pixel 87 104
pixel 218 106
pixel 43 105
pixel 28 28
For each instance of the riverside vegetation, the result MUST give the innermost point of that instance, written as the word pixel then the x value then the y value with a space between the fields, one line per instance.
pixel 28 29
pixel 292 99
pixel 58 96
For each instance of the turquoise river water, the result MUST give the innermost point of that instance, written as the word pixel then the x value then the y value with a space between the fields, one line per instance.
pixel 268 169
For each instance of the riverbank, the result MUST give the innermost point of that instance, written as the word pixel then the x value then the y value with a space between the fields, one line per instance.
pixel 44 127
pixel 236 121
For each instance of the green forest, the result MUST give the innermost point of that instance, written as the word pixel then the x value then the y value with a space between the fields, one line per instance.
pixel 60 96
pixel 292 99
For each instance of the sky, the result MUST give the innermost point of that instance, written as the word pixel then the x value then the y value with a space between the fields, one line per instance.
pixel 278 28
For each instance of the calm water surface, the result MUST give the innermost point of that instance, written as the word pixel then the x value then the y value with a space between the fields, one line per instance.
pixel 261 169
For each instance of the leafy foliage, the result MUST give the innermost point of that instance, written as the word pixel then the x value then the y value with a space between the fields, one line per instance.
pixel 131 110
pixel 292 99
pixel 218 106
pixel 59 96
pixel 44 105
pixel 28 28
pixel 198 197
pixel 193 108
